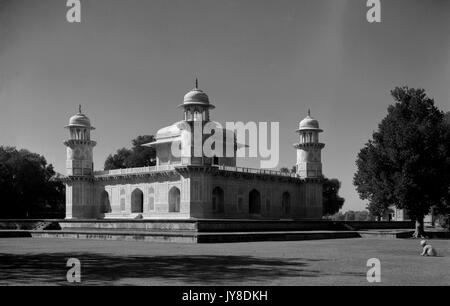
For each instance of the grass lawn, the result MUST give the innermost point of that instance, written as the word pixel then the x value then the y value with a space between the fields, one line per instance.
pixel 28 261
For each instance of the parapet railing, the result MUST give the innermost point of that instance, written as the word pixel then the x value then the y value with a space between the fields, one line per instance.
pixel 171 167
pixel 257 171
pixel 134 170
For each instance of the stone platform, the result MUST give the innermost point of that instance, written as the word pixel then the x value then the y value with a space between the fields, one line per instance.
pixel 203 231
pixel 231 225
pixel 194 237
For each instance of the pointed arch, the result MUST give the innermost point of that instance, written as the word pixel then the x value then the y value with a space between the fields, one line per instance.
pixel 218 200
pixel 137 201
pixel 254 202
pixel 286 203
pixel 105 205
pixel 174 199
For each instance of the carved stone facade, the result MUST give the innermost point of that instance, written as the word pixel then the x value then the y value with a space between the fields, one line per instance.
pixel 200 187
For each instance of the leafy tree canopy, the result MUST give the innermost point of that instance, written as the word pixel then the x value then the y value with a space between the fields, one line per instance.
pixel 285 170
pixel 332 202
pixel 27 187
pixel 137 156
pixel 407 161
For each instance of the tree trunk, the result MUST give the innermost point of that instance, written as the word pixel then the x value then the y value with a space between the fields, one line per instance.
pixel 419 230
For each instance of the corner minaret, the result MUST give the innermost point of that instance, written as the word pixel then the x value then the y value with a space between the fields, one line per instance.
pixel 79 146
pixel 79 168
pixel 309 164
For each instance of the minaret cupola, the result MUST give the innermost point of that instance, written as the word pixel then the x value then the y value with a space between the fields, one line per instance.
pixel 196 105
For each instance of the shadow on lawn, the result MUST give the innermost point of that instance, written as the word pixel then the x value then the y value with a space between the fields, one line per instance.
pixel 97 269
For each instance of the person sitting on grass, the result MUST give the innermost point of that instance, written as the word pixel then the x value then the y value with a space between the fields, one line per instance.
pixel 428 250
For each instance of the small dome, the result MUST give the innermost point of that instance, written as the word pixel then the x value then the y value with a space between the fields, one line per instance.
pixel 309 123
pixel 79 120
pixel 196 96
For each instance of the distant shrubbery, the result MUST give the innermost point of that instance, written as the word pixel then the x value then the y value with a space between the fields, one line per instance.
pixel 443 221
pixel 353 216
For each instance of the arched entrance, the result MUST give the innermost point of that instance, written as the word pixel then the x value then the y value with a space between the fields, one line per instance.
pixel 105 205
pixel 174 199
pixel 137 201
pixel 254 202
pixel 218 200
pixel 286 203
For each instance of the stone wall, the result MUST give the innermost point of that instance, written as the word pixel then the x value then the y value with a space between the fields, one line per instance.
pixel 278 198
pixel 124 194
pixel 79 199
pixel 194 192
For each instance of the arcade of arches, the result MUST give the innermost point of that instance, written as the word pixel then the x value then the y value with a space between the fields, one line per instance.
pixel 218 201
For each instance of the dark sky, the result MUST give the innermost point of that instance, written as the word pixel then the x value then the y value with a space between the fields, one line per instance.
pixel 129 63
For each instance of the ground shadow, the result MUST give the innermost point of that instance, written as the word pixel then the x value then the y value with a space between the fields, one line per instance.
pixel 100 269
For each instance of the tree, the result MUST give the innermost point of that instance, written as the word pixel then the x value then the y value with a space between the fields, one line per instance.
pixel 363 215
pixel 27 186
pixel 406 163
pixel 118 160
pixel 338 216
pixel 332 202
pixel 447 119
pixel 137 156
pixel 293 170
pixel 371 180
pixel 350 215
pixel 284 170
pixel 442 210
pixel 377 209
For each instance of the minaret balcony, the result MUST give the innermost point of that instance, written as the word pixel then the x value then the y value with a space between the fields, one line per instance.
pixel 305 145
pixel 73 142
